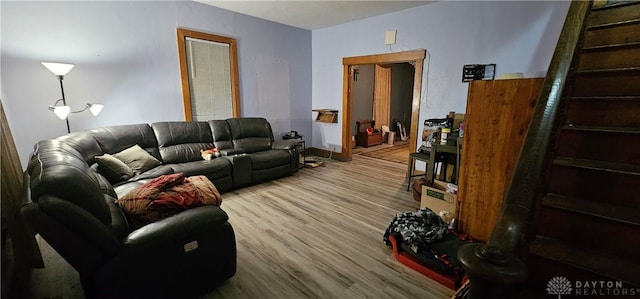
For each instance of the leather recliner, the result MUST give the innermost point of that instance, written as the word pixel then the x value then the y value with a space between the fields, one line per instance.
pixel 268 158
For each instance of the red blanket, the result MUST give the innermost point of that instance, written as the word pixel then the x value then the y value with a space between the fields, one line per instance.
pixel 167 195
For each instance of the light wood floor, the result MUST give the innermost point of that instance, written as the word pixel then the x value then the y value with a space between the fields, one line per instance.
pixel 316 234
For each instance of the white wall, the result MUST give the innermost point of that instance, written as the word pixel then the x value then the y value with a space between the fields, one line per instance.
pixel 518 36
pixel 126 58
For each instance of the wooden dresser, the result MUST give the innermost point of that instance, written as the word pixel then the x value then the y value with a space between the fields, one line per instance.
pixel 497 119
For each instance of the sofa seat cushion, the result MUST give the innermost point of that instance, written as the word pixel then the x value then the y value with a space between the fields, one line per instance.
pixel 123 189
pixel 269 159
pixel 213 169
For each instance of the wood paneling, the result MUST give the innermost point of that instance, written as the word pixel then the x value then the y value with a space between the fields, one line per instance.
pixel 25 251
pixel 497 119
pixel 382 95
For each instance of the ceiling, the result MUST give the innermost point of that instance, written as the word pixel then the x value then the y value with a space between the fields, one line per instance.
pixel 313 15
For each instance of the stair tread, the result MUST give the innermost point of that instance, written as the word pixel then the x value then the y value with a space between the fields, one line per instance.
pixel 629 215
pixel 622 168
pixel 626 130
pixel 591 260
pixel 611 46
pixel 607 25
pixel 605 98
pixel 611 70
pixel 613 4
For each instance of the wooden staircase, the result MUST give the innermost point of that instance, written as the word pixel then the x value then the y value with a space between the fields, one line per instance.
pixel 586 222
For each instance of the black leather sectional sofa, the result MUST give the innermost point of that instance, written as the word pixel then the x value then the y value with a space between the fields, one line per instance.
pixel 70 203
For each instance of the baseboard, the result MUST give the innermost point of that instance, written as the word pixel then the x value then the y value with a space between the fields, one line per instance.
pixel 312 151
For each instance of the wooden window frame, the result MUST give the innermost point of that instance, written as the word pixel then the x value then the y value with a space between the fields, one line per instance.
pixel 184 70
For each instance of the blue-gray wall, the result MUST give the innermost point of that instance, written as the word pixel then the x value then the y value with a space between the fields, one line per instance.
pixel 126 57
pixel 519 36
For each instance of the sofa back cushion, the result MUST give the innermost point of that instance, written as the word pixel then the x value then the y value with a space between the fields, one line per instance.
pixel 253 134
pixel 115 139
pixel 56 169
pixel 221 133
pixel 84 144
pixel 180 142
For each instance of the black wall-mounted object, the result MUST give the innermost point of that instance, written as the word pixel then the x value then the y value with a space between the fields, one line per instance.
pixel 478 72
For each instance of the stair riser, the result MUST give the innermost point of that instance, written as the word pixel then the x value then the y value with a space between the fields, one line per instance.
pixel 542 270
pixel 606 84
pixel 590 232
pixel 613 58
pixel 612 36
pixel 614 15
pixel 600 146
pixel 595 185
pixel 619 113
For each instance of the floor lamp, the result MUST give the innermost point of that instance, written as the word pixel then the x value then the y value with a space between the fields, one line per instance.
pixel 63 111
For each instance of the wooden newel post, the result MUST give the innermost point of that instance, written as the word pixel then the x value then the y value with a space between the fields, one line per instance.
pixel 492 272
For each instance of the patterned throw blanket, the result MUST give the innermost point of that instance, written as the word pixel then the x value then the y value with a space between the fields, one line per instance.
pixel 168 195
pixel 417 228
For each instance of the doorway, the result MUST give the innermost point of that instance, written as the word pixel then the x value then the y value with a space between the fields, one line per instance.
pixel 415 58
pixel 383 93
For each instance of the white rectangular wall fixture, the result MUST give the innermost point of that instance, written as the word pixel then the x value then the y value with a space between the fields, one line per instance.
pixel 390 37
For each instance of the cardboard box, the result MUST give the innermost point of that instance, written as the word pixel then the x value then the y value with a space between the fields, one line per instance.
pixel 437 199
pixel 457 119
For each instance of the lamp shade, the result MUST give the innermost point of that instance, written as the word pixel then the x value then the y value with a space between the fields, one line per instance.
pixel 59 69
pixel 95 108
pixel 62 111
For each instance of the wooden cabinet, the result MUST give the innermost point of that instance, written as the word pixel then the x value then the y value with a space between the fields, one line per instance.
pixel 496 122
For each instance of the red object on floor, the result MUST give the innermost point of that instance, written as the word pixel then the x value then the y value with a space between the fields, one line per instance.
pixel 404 258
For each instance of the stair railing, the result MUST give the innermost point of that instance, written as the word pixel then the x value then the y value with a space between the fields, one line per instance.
pixel 493 269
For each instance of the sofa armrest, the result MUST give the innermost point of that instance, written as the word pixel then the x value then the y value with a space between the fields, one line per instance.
pixel 181 227
pixel 232 151
pixel 284 144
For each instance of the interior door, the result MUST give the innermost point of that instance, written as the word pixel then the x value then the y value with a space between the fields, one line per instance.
pixel 382 95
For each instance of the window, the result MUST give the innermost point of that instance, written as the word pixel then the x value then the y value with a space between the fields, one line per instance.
pixel 209 74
